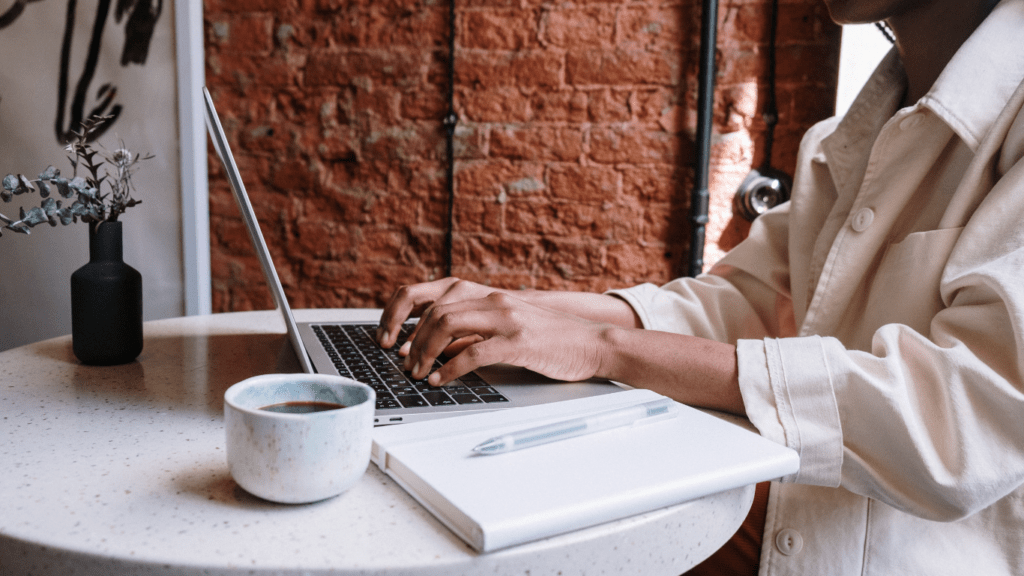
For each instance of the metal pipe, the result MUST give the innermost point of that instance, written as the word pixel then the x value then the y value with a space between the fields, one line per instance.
pixel 705 109
pixel 451 119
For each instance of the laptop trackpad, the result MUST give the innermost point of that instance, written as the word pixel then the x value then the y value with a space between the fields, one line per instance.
pixel 498 374
pixel 505 374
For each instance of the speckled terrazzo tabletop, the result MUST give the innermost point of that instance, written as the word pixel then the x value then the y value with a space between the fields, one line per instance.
pixel 121 470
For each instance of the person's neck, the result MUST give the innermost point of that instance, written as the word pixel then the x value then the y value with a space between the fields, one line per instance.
pixel 929 35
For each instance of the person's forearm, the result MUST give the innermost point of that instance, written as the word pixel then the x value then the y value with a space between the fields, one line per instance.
pixel 595 307
pixel 688 369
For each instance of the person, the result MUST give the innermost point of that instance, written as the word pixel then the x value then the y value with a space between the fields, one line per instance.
pixel 874 323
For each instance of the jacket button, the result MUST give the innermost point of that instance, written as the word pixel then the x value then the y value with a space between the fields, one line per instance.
pixel 863 219
pixel 789 541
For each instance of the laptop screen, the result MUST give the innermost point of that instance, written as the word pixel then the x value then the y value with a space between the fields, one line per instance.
pixel 220 143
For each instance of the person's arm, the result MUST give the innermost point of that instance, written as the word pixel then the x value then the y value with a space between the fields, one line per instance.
pixel 691 370
pixel 563 346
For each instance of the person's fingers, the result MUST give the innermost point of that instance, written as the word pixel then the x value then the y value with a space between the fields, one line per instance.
pixel 442 325
pixel 461 344
pixel 454 348
pixel 480 353
pixel 408 300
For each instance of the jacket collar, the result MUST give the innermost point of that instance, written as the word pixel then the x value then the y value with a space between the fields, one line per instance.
pixel 977 83
pixel 968 95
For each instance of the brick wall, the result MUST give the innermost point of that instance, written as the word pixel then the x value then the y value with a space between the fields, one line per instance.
pixel 574 146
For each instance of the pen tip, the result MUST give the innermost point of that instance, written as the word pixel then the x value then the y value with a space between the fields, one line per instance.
pixel 488 447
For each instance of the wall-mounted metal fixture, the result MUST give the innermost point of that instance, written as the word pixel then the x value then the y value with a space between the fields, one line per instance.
pixel 761 191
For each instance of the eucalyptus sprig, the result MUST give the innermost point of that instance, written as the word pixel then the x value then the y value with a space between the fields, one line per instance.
pixel 91 204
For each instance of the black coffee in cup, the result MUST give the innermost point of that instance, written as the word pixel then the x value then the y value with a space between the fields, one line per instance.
pixel 302 407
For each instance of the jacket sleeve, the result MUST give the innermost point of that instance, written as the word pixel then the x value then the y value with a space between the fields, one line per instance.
pixel 745 295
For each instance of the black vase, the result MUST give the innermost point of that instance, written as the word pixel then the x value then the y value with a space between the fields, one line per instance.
pixel 106 302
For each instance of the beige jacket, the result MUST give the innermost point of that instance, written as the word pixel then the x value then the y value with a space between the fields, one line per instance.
pixel 879 323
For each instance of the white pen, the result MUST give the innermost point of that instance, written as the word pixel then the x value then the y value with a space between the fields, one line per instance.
pixel 577 427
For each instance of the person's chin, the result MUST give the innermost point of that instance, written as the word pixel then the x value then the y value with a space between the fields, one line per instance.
pixel 856 11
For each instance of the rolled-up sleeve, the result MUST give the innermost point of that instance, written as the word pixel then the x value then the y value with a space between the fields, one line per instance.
pixel 788 395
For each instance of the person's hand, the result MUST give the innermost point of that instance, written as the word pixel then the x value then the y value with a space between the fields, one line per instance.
pixel 416 299
pixel 566 336
pixel 499 328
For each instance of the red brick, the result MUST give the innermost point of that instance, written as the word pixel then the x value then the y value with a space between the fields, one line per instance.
pixel 532 68
pixel 503 104
pixel 243 33
pixel 214 6
pixel 542 143
pixel 493 253
pixel 404 143
pixel 806 63
pixel 746 24
pixel 488 180
pixel 605 221
pixel 316 238
pixel 633 145
pixel 338 145
pixel 550 219
pixel 499 29
pixel 473 216
pixel 631 260
pixel 652 28
pixel 468 143
pixel 559 106
pixel 805 22
pixel 243 72
pixel 608 105
pixel 621 67
pixel 400 27
pixel 653 183
pixel 741 66
pixel 583 183
pixel 341 67
pixel 382 104
pixel 653 105
pixel 426 104
pixel 580 27
pixel 572 257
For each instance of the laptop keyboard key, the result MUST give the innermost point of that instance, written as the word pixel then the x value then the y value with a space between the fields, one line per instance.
pixel 387 403
pixel 467 399
pixel 438 398
pixel 493 398
pixel 416 401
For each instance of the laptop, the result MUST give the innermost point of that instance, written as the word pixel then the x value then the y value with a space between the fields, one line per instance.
pixel 349 349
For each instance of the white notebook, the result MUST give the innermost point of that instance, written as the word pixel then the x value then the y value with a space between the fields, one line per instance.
pixel 500 500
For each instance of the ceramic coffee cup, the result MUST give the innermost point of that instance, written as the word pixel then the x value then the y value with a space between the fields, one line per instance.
pixel 298 457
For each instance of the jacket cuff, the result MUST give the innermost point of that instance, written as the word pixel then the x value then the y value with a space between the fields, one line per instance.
pixel 789 397
pixel 635 297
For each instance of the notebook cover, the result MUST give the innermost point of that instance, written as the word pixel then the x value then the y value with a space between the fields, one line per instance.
pixel 496 501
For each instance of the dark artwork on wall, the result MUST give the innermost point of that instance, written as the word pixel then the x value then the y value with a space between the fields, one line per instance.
pixel 138 17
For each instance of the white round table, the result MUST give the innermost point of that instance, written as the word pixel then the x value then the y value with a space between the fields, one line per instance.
pixel 121 470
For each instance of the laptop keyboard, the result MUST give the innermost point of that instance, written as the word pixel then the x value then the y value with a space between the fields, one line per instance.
pixel 357 355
